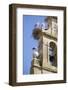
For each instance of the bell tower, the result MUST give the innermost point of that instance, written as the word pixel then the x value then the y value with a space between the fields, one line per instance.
pixel 46 61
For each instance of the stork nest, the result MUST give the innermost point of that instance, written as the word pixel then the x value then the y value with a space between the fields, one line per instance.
pixel 37 33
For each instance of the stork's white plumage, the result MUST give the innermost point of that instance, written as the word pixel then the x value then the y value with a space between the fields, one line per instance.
pixel 37 25
pixel 35 53
pixel 43 25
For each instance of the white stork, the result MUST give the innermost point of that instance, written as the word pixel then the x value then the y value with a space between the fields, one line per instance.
pixel 35 53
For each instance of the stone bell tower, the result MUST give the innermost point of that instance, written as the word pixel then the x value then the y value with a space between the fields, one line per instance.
pixel 46 59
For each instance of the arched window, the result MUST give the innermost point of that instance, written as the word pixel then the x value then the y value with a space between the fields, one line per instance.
pixel 53 54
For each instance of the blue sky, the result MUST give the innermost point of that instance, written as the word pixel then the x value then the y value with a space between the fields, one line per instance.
pixel 29 42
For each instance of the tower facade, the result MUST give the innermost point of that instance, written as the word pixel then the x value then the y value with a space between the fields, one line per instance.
pixel 46 60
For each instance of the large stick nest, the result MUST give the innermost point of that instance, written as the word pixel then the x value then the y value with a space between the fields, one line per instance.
pixel 37 33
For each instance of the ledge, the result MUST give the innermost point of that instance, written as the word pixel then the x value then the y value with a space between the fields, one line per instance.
pixel 49 36
pixel 47 68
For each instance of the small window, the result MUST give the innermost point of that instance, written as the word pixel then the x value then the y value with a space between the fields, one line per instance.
pixel 51 55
